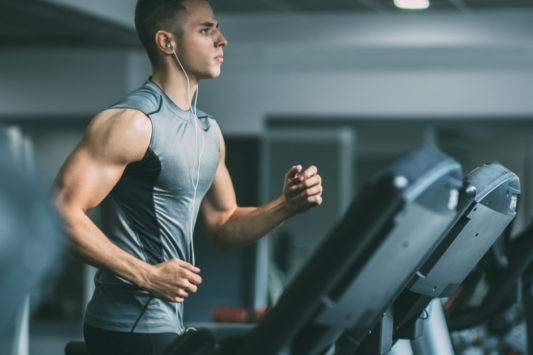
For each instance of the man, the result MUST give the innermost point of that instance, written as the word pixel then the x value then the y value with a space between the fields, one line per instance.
pixel 155 163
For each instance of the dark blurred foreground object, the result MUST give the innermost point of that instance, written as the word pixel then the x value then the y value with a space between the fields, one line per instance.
pixel 76 348
pixel 30 235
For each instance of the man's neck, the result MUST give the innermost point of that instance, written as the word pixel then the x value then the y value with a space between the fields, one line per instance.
pixel 173 82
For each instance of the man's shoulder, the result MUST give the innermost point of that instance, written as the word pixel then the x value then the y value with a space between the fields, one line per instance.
pixel 120 132
pixel 117 122
pixel 120 119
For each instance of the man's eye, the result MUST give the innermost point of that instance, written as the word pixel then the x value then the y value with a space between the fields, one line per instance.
pixel 205 30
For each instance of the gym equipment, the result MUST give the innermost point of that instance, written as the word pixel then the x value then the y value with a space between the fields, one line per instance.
pixel 487 204
pixel 30 236
pixel 76 348
pixel 357 272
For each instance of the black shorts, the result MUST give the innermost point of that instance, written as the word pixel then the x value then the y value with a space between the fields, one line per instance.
pixel 105 342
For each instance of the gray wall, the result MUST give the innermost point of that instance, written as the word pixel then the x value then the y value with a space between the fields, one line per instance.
pixel 394 66
pixel 58 82
pixel 451 65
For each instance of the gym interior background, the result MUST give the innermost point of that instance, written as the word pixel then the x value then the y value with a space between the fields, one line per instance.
pixel 347 85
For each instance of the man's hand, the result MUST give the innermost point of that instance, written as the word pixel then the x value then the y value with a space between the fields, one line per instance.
pixel 173 280
pixel 302 190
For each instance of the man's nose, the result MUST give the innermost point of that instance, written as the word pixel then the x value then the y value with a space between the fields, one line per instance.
pixel 221 40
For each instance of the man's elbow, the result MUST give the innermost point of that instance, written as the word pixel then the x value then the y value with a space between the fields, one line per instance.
pixel 60 198
pixel 71 218
pixel 217 239
pixel 220 231
pixel 65 210
pixel 69 213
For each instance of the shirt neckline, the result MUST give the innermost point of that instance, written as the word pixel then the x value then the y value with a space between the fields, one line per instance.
pixel 171 103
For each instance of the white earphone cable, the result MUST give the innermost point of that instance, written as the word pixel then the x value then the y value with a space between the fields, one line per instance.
pixel 198 153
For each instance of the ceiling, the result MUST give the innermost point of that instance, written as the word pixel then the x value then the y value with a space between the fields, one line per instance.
pixel 45 23
pixel 34 22
pixel 380 6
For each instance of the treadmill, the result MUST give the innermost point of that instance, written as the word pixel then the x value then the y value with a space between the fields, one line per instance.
pixel 358 270
pixel 487 204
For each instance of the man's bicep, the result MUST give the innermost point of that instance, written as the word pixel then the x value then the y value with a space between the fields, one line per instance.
pixel 85 179
pixel 114 139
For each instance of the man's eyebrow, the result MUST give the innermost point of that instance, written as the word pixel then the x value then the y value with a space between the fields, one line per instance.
pixel 209 24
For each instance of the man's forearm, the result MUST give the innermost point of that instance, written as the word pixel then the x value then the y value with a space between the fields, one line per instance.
pixel 248 224
pixel 89 243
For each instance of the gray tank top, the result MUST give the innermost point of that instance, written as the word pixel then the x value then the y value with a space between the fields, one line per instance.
pixel 148 212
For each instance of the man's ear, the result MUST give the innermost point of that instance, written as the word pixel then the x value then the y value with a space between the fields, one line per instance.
pixel 165 42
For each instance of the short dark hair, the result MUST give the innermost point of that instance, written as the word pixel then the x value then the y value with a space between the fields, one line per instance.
pixel 154 15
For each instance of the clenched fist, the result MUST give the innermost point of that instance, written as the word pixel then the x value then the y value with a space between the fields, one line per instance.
pixel 173 280
pixel 302 190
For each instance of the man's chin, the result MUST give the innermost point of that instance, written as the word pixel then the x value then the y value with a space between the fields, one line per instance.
pixel 211 74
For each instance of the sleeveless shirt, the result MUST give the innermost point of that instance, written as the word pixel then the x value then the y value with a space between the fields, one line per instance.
pixel 148 212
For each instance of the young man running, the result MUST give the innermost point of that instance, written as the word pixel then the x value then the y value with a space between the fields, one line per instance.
pixel 154 163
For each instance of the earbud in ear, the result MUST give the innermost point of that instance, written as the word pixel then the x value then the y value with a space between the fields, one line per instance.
pixel 169 46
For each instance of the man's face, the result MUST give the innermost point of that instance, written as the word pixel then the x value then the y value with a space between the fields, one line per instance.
pixel 200 48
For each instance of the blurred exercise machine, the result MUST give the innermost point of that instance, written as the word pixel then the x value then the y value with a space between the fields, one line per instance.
pixel 30 235
pixel 487 205
pixel 359 269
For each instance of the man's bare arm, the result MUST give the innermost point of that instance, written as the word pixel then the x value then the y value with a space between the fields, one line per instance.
pixel 228 225
pixel 113 139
